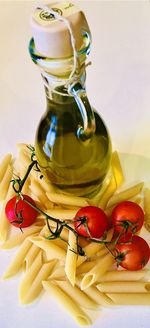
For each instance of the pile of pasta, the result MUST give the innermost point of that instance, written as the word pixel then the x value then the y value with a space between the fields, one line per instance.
pixel 79 283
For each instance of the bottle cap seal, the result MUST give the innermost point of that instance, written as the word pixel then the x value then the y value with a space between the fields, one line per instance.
pixel 51 36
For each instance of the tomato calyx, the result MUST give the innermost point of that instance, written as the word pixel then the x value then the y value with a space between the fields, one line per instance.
pixel 83 221
pixel 119 256
pixel 19 216
pixel 91 222
pixel 126 225
pixel 18 213
pixel 127 216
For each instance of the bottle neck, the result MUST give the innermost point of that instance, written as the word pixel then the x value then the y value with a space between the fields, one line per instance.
pixel 65 82
pixel 56 71
pixel 57 89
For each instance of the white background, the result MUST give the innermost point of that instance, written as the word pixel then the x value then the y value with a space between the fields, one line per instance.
pixel 118 84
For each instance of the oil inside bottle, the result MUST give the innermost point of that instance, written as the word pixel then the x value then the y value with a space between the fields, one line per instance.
pixel 72 165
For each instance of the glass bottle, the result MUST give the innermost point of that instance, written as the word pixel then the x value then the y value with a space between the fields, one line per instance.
pixel 72 142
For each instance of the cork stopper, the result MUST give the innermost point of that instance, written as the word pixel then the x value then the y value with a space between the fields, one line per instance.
pixel 51 36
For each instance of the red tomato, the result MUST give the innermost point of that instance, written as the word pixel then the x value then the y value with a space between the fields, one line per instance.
pixel 27 212
pixel 133 255
pixel 95 220
pixel 127 217
pixel 122 237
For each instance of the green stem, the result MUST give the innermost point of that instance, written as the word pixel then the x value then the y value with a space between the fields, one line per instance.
pixel 64 224
pixel 26 175
pixel 48 216
pixel 110 251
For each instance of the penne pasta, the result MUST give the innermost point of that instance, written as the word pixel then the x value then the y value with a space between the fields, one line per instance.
pixel 65 300
pixel 49 246
pixel 67 199
pixel 36 190
pixel 71 258
pixel 123 275
pixel 35 175
pixel 62 214
pixel 26 188
pixel 5 182
pixel 32 253
pixel 29 276
pixel 96 295
pixel 108 211
pixel 35 287
pixel 23 160
pixel 101 298
pixel 89 250
pixel 109 235
pixel 40 223
pixel 117 169
pixel 17 262
pixel 77 295
pixel 124 287
pixel 61 243
pixel 108 193
pixel 46 185
pixel 4 164
pixel 4 223
pixel 22 145
pixel 97 271
pixel 17 239
pixel 58 273
pixel 30 256
pixel 85 267
pixel 96 199
pixel 130 299
pixel 137 199
pixel 101 253
pixel 147 208
pixel 125 194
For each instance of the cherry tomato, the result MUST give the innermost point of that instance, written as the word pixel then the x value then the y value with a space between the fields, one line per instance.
pixel 122 237
pixel 94 222
pixel 25 211
pixel 127 217
pixel 133 255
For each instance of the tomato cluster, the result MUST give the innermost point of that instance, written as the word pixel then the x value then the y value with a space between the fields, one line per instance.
pixel 130 251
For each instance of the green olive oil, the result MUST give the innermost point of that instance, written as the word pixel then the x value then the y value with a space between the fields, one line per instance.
pixel 72 165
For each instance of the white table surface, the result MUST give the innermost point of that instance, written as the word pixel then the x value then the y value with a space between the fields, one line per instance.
pixel 118 84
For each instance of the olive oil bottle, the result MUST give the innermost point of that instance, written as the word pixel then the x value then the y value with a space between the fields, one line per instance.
pixel 72 143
